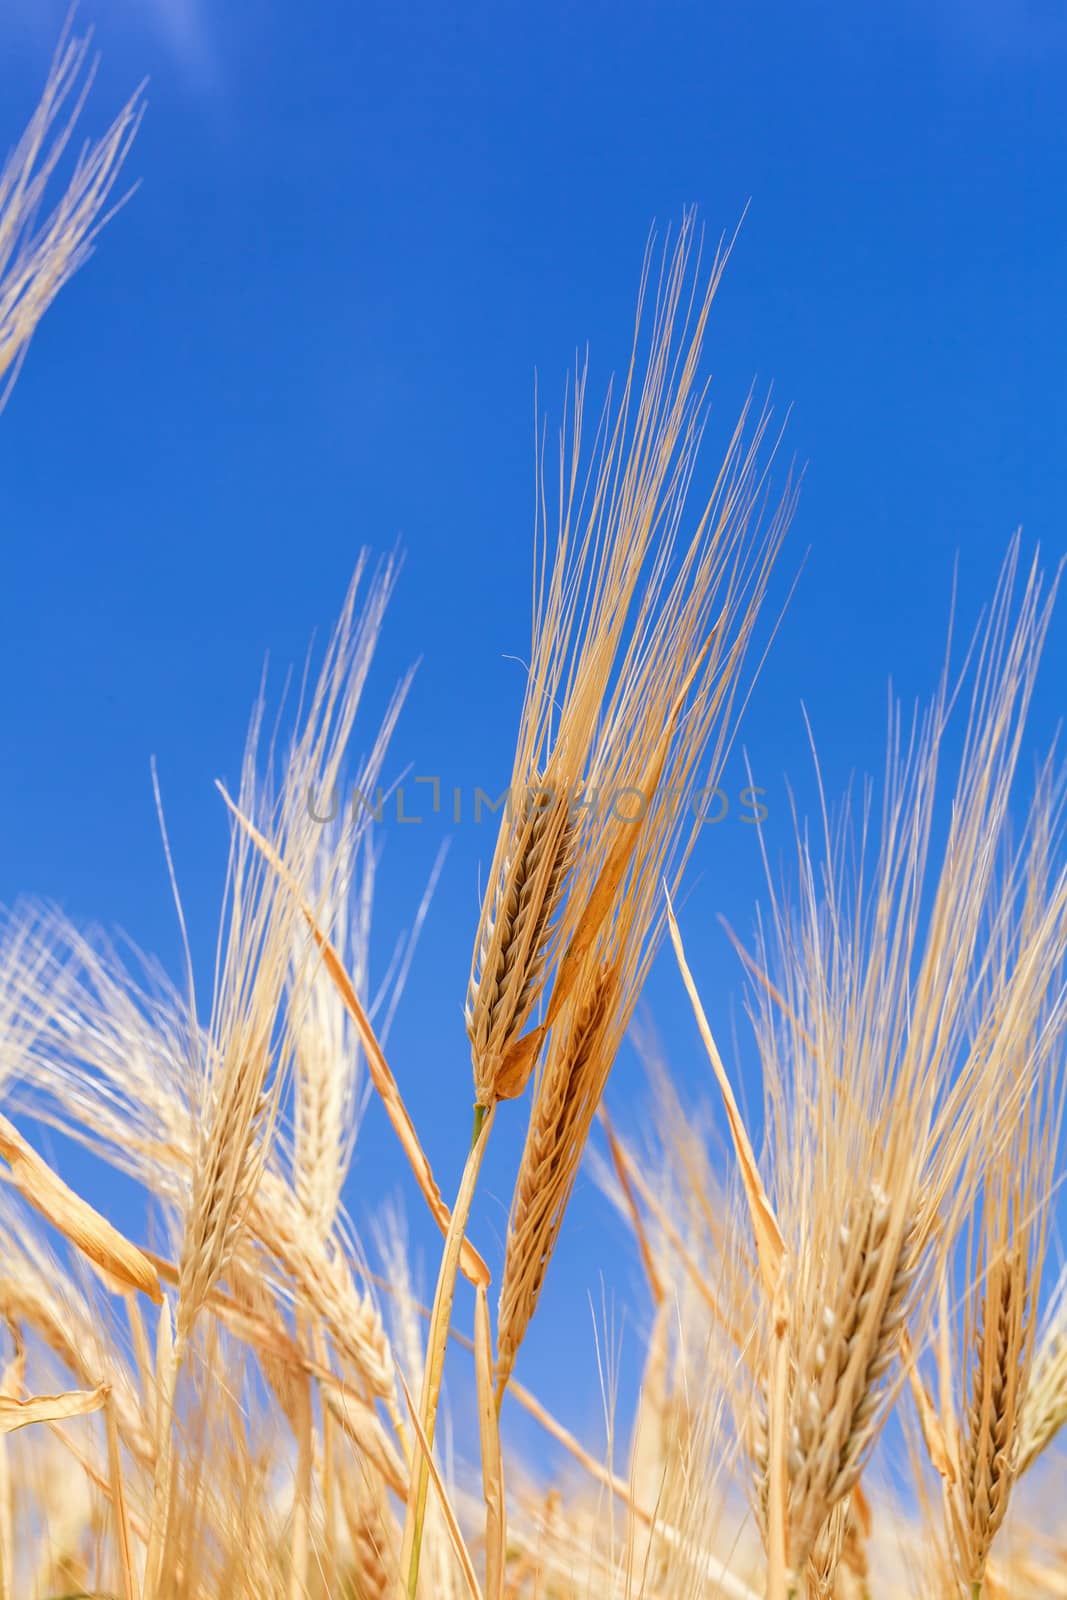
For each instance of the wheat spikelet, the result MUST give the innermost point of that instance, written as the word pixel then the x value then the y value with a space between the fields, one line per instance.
pixel 326 1044
pixel 838 1568
pixel 326 1080
pixel 854 1559
pixel 288 1386
pixel 1016 1212
pixel 247 1049
pixel 239 1097
pixel 124 1073
pixel 988 1446
pixel 991 1444
pixel 224 1174
pixel 825 1559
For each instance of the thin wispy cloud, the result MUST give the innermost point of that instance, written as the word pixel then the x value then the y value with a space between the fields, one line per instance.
pixel 181 25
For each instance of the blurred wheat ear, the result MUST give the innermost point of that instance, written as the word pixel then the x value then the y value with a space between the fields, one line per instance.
pixel 37 257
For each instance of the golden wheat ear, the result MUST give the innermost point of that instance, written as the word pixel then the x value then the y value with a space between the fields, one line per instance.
pixel 604 608
pixel 515 942
pixel 1000 1387
pixel 37 258
pixel 560 1118
pixel 667 711
pixel 889 1029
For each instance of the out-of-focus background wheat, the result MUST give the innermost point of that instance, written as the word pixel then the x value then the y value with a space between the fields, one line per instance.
pixel 274 1322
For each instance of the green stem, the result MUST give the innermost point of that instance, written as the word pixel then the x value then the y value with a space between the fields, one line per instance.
pixel 479 1118
pixel 436 1343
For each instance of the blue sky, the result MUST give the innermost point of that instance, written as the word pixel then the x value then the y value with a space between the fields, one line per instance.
pixel 359 230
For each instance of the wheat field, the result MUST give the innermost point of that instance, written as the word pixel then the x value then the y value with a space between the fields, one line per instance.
pixel 854 1376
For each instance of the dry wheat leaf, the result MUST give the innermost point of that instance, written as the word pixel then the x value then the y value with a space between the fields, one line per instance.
pixel 50 1407
pixel 930 1422
pixel 75 1219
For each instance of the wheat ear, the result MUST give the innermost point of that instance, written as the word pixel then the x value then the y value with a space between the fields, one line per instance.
pixel 516 939
pixel 559 1125
pixel 988 1456
pixel 842 1360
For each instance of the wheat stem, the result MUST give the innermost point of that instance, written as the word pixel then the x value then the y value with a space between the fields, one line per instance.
pixel 436 1344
